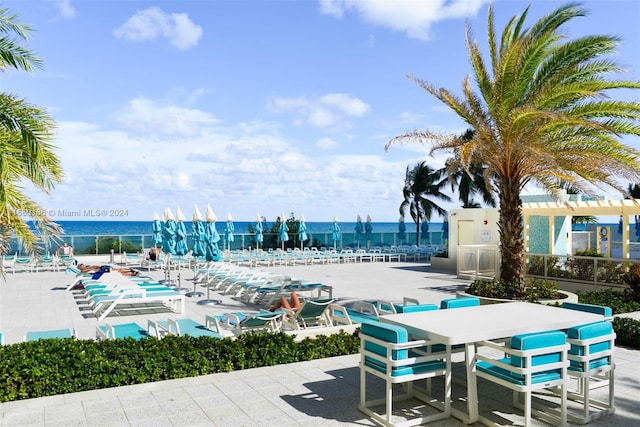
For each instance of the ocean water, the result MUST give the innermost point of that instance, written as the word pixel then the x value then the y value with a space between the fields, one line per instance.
pixel 137 228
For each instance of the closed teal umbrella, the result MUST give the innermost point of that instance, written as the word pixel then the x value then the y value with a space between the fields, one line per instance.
pixel 302 231
pixel 156 228
pixel 368 229
pixel 402 230
pixel 283 229
pixel 229 231
pixel 181 234
pixel 335 231
pixel 212 252
pixel 169 233
pixel 259 229
pixel 359 230
pixel 197 234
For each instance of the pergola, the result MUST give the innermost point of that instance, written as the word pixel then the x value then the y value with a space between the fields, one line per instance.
pixel 624 208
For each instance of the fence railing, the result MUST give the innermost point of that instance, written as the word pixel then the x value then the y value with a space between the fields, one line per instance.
pixel 580 269
pixel 130 243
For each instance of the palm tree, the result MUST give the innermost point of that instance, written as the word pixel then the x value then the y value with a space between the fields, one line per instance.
pixel 422 184
pixel 541 112
pixel 469 182
pixel 26 152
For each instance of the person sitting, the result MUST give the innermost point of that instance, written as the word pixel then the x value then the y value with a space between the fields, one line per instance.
pixel 65 250
pixel 154 254
pixel 294 305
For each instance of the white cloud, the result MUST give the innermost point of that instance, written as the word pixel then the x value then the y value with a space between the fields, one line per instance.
pixel 346 103
pixel 144 116
pixel 326 144
pixel 66 9
pixel 153 23
pixel 327 111
pixel 410 16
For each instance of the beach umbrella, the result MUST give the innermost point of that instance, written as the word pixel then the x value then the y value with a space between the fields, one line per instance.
pixel 169 233
pixel 335 231
pixel 197 234
pixel 367 230
pixel 283 236
pixel 445 230
pixel 424 230
pixel 181 234
pixel 212 237
pixel 156 228
pixel 359 230
pixel 402 230
pixel 259 228
pixel 229 230
pixel 212 253
pixel 302 231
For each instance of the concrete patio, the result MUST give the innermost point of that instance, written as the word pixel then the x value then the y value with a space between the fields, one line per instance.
pixel 322 392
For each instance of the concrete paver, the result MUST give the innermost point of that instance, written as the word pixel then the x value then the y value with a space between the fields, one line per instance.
pixel 323 392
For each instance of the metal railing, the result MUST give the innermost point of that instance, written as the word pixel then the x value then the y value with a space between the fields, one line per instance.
pixel 131 243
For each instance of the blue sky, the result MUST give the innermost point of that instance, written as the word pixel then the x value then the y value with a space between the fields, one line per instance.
pixel 266 107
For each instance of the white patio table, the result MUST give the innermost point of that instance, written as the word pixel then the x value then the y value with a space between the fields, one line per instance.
pixel 469 325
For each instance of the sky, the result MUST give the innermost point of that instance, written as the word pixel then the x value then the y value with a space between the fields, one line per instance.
pixel 256 107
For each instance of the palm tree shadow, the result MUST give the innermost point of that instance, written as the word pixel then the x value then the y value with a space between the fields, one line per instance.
pixel 335 398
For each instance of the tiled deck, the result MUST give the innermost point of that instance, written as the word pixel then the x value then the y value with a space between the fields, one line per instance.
pixel 323 392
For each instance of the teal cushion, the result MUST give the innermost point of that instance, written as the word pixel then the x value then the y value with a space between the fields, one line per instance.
pixel 415 308
pixel 534 341
pixel 513 378
pixel 417 368
pixel 459 302
pixel 584 332
pixel 590 308
pixel 385 332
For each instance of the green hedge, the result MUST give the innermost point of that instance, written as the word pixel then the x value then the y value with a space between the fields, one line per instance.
pixel 627 332
pixel 57 366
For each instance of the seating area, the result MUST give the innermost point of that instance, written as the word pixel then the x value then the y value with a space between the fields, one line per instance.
pixel 371 311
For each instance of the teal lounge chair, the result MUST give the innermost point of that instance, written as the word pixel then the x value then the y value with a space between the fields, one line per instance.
pixel 240 323
pixel 126 330
pixel 180 327
pixel 313 312
pixel 57 333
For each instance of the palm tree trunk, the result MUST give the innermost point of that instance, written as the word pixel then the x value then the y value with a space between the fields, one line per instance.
pixel 418 232
pixel 511 230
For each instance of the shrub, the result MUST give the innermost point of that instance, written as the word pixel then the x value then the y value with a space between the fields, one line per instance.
pixel 627 332
pixel 619 302
pixel 631 278
pixel 57 366
pixel 533 290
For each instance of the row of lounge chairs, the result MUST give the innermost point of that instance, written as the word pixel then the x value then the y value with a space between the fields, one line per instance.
pixel 308 256
pixel 35 263
pixel 114 292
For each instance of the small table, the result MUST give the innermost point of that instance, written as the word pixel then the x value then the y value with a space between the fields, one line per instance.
pixel 469 325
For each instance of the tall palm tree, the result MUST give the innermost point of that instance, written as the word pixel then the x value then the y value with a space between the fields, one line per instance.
pixel 421 185
pixel 26 152
pixel 469 182
pixel 541 112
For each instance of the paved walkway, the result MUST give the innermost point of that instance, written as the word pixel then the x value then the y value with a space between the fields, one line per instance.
pixel 317 393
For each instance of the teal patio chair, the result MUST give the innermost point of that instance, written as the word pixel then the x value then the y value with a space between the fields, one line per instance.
pixel 56 333
pixel 459 302
pixel 590 308
pixel 387 353
pixel 126 330
pixel 535 361
pixel 591 363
